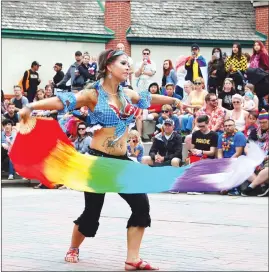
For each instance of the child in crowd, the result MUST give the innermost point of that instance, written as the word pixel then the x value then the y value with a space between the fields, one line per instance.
pixel 248 103
pixel 40 95
pixel 250 89
pixel 170 91
pixel 135 147
pixel 152 113
pixel 251 123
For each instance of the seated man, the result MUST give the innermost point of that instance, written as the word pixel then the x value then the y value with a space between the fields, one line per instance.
pixel 215 113
pixel 204 141
pixel 231 144
pixel 11 114
pixel 7 139
pixel 166 149
pixel 259 184
pixel 19 100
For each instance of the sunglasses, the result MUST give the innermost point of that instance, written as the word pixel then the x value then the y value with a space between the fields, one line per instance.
pixel 165 111
pixel 145 53
pixel 81 128
pixel 169 125
pixel 236 102
pixel 200 126
pixel 197 83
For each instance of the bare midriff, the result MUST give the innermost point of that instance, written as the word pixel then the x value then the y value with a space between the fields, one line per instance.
pixel 103 141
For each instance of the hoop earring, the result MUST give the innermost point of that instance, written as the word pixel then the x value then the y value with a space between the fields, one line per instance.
pixel 110 75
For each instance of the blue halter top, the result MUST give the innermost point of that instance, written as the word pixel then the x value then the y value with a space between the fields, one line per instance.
pixel 107 115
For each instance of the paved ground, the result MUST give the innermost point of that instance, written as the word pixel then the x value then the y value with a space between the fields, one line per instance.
pixel 188 233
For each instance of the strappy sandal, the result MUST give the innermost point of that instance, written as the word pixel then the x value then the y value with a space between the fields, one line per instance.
pixel 141 265
pixel 72 256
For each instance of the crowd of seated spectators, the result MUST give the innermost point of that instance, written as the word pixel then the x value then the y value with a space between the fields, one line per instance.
pixel 219 112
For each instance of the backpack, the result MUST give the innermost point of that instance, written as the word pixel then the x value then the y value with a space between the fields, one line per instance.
pixel 27 84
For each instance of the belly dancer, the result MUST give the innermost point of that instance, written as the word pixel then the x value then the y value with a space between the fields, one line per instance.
pixel 113 110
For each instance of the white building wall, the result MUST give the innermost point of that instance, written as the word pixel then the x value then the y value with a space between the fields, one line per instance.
pixel 161 52
pixel 18 54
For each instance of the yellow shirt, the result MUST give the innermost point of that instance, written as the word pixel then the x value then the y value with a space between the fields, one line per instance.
pixel 195 70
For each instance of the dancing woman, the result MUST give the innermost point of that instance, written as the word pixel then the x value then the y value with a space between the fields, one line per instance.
pixel 113 110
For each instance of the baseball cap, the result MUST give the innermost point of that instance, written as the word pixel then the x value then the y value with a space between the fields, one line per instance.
pixel 35 63
pixel 195 46
pixel 169 121
pixel 58 64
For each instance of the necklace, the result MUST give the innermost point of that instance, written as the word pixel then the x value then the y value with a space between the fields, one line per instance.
pixel 226 143
pixel 114 94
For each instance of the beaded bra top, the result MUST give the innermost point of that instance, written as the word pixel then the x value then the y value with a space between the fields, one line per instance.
pixel 107 115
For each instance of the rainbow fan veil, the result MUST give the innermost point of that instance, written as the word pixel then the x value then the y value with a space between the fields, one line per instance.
pixel 43 152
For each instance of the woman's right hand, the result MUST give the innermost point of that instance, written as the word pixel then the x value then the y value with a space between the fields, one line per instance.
pixel 24 114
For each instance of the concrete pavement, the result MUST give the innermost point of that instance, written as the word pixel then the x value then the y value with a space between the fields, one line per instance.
pixel 188 233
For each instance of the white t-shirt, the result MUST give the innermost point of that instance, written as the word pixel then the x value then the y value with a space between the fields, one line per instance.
pixel 143 81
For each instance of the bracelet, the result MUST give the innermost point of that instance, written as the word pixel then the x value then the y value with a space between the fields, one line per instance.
pixel 176 103
pixel 29 107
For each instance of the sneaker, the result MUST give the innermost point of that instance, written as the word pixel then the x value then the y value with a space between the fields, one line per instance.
pixel 72 256
pixel 234 192
pixel 10 177
pixel 173 192
pixel 264 191
pixel 249 192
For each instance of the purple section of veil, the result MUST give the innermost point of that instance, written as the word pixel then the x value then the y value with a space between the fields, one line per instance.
pixel 195 178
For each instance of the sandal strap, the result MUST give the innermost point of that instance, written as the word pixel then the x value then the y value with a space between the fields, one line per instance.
pixel 141 265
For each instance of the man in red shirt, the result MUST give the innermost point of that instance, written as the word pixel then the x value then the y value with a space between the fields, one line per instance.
pixel 215 114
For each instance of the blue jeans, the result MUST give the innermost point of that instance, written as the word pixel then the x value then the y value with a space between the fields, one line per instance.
pixel 11 170
pixel 187 122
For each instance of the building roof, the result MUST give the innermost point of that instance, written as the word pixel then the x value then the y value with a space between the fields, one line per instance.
pixel 203 20
pixel 64 16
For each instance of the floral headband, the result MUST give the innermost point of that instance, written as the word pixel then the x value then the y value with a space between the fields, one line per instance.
pixel 115 53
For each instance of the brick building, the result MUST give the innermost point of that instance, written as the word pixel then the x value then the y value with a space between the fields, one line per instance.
pixel 51 31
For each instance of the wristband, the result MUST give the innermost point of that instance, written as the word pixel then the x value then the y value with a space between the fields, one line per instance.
pixel 176 103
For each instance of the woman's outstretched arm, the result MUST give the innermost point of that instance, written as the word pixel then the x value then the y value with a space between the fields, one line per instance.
pixel 67 100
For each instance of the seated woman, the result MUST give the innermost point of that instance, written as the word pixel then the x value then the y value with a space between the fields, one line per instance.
pixel 238 114
pixel 135 147
pixel 197 96
pixel 186 116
